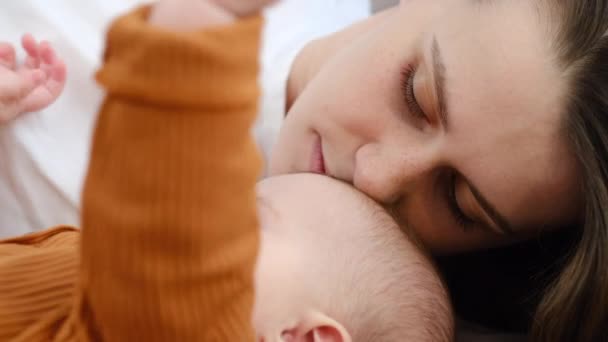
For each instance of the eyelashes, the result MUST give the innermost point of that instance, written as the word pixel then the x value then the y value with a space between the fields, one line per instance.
pixel 407 88
pixel 459 216
pixel 408 75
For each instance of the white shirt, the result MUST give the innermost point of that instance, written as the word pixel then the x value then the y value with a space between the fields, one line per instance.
pixel 44 155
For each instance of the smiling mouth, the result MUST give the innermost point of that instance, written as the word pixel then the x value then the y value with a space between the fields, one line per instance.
pixel 317 162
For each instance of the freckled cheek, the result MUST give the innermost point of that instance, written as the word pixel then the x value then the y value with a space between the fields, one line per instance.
pixel 368 114
pixel 359 102
pixel 365 127
pixel 349 114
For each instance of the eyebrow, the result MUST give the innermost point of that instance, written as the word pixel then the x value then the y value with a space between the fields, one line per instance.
pixel 439 72
pixel 439 82
pixel 501 222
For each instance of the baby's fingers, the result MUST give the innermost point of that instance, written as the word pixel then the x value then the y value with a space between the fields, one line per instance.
pixel 53 67
pixel 28 81
pixel 15 90
pixel 32 49
pixel 16 87
pixel 243 8
pixel 7 56
pixel 46 53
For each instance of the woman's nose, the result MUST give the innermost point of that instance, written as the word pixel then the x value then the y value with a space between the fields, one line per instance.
pixel 388 174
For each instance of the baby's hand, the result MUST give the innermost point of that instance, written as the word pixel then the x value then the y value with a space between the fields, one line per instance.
pixel 241 8
pixel 185 15
pixel 30 86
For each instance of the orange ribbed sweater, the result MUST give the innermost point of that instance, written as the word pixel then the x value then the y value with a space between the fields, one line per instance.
pixel 169 235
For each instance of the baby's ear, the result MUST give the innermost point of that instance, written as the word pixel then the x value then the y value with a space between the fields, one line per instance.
pixel 317 327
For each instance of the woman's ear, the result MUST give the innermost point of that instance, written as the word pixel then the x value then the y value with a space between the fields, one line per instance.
pixel 317 327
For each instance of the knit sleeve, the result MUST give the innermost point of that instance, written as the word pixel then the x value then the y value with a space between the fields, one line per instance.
pixel 170 234
pixel 38 274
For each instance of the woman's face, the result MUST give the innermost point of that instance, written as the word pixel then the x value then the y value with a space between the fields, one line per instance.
pixel 449 113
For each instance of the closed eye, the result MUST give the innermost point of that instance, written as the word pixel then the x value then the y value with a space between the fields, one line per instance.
pixel 408 76
pixel 463 221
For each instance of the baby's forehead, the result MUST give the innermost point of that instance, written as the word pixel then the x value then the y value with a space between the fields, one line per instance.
pixel 314 193
pixel 314 202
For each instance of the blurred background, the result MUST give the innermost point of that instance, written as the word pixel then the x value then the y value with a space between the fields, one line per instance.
pixel 43 155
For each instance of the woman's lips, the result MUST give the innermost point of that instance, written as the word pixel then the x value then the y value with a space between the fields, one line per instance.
pixel 317 163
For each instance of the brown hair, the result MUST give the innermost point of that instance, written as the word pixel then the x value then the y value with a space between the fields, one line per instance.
pixel 556 285
pixel 575 306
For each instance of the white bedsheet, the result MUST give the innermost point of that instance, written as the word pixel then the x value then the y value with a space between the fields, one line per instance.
pixel 43 155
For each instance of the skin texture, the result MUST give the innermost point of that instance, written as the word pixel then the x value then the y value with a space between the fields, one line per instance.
pixel 323 267
pixel 503 97
pixel 31 85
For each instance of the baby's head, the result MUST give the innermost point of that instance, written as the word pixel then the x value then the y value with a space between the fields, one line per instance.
pixel 334 266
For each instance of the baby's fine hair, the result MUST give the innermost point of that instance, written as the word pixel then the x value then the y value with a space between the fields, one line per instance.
pixel 394 291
